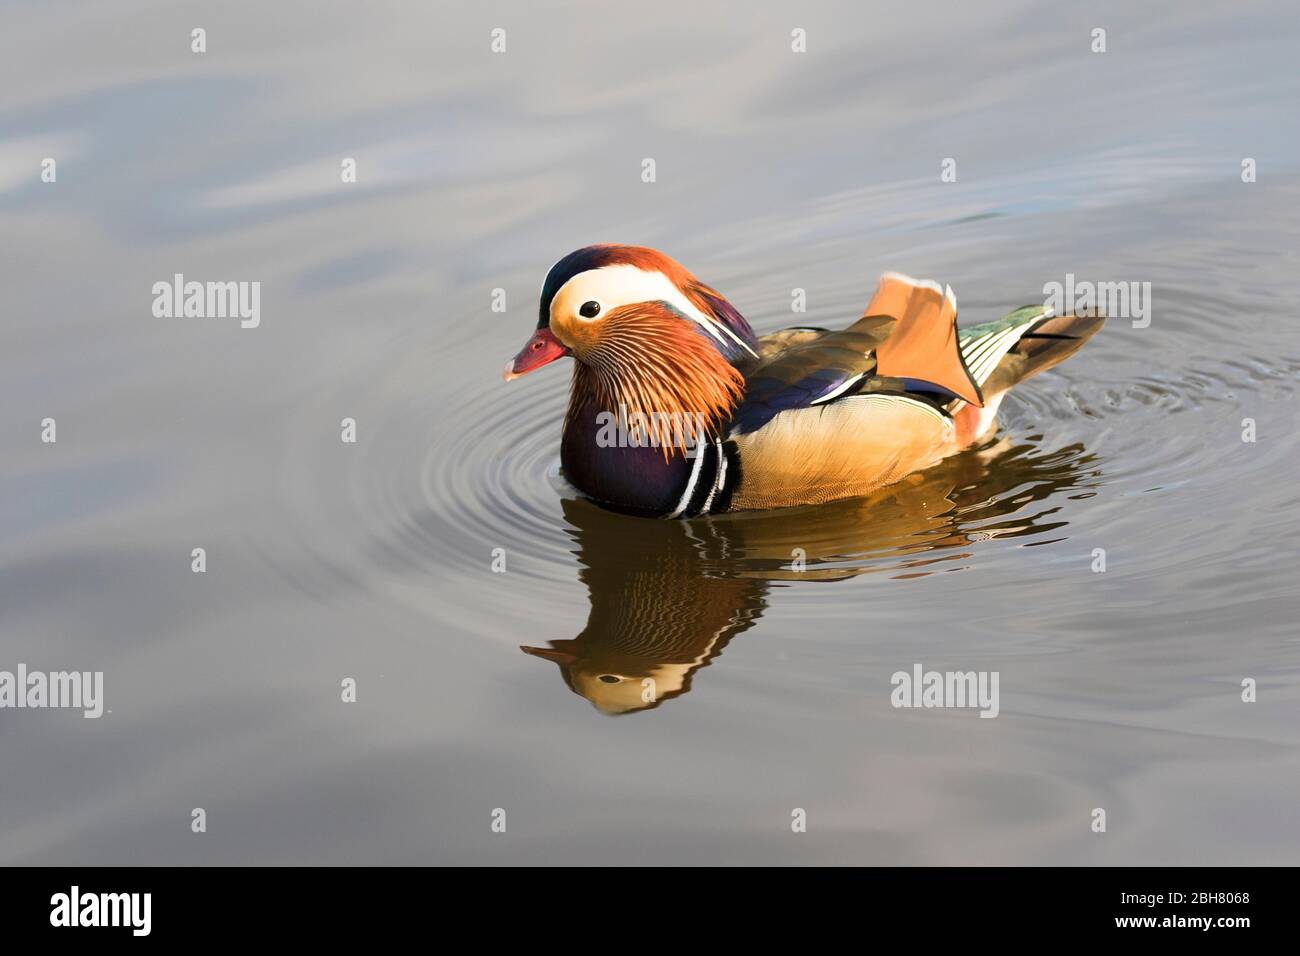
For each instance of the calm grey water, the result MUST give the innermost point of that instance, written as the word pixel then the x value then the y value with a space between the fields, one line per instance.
pixel 373 561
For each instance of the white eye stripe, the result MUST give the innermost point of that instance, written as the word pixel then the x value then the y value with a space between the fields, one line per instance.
pixel 619 285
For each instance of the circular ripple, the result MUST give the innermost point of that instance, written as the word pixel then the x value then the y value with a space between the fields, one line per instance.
pixel 452 464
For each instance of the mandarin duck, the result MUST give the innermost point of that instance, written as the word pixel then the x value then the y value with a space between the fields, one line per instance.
pixel 677 409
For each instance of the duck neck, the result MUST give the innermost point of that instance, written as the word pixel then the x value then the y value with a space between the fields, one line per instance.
pixel 632 424
pixel 665 399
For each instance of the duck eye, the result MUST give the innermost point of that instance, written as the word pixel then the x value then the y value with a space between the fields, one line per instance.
pixel 609 678
pixel 589 310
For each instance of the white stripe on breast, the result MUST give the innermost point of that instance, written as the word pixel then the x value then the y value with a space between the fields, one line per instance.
pixel 719 482
pixel 690 484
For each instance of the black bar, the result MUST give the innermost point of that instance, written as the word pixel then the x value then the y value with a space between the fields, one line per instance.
pixel 372 904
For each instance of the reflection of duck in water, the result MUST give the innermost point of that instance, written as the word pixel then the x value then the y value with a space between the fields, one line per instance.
pixel 657 612
pixel 667 596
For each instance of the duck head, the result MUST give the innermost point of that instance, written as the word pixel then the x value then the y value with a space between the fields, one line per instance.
pixel 646 335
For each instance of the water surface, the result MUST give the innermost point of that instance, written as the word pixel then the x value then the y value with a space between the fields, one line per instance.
pixel 373 561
